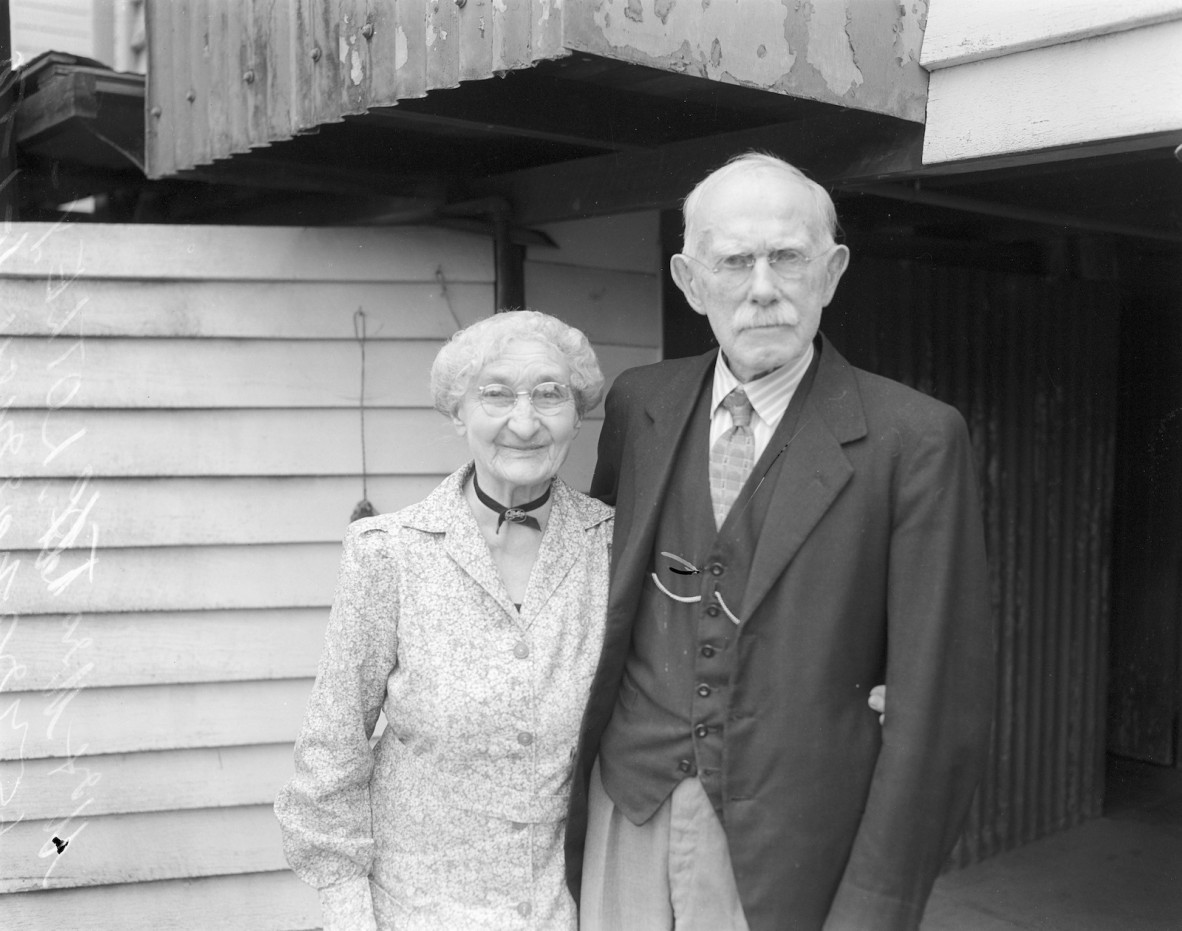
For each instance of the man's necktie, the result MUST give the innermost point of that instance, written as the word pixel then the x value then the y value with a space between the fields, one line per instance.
pixel 732 456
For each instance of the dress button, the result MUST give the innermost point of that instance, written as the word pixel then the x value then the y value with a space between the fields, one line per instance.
pixel 704 691
pixel 701 730
pixel 521 651
pixel 717 569
pixel 708 651
pixel 713 610
pixel 525 738
pixel 685 766
pixel 524 909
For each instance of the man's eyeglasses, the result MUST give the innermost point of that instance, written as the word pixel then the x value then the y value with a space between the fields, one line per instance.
pixel 787 264
pixel 547 398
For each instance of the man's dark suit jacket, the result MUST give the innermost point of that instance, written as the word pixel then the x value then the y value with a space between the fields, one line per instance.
pixel 870 568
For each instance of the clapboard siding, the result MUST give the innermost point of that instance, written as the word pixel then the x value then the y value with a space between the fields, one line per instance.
pixel 606 300
pixel 141 848
pixel 1121 89
pixel 151 443
pixel 961 31
pixel 161 647
pixel 174 578
pixel 180 453
pixel 155 717
pixel 250 373
pixel 274 901
pixel 161 512
pixel 160 780
pixel 212 309
pixel 66 256
pixel 603 276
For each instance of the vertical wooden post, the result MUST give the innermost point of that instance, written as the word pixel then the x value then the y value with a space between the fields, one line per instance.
pixel 8 101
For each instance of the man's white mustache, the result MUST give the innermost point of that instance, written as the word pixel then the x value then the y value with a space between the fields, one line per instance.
pixel 752 319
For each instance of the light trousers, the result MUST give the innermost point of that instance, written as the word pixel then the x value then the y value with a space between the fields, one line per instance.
pixel 672 872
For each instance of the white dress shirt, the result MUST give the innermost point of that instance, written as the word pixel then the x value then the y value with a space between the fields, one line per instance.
pixel 769 395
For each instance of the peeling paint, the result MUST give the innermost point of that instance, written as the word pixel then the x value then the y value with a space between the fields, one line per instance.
pixel 401 50
pixel 343 50
pixel 500 6
pixel 545 14
pixel 431 35
pixel 357 71
pixel 830 50
pixel 693 37
pixel 634 11
pixel 909 36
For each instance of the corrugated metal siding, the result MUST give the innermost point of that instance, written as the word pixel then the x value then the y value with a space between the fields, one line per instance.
pixel 225 77
pixel 1145 697
pixel 1032 364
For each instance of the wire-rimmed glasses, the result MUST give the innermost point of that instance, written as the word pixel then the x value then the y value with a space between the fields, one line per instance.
pixel 685 567
pixel 787 264
pixel 547 398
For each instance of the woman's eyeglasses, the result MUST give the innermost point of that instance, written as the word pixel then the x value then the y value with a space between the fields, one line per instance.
pixel 547 398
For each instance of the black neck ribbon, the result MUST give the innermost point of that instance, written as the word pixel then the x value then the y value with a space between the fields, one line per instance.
pixel 515 515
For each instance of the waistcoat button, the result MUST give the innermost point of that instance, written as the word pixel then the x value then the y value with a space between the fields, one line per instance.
pixel 704 690
pixel 701 730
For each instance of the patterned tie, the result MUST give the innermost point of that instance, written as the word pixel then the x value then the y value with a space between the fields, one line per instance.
pixel 733 456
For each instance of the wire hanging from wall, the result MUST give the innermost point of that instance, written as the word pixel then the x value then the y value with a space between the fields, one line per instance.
pixel 446 295
pixel 364 508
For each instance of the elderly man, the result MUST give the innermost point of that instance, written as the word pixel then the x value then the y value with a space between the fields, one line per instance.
pixel 790 530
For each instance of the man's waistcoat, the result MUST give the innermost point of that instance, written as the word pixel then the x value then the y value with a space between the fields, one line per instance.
pixel 669 720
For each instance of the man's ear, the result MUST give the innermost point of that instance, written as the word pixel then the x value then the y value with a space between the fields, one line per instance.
pixel 685 278
pixel 835 266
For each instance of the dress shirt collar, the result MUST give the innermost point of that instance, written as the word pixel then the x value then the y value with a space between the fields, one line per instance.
pixel 769 394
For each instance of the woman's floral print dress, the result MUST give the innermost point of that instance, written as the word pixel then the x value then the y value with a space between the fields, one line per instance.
pixel 454 819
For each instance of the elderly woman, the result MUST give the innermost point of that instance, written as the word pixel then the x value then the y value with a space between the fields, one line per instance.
pixel 474 620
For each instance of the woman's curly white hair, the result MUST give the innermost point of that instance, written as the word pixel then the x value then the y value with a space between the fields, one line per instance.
pixel 469 350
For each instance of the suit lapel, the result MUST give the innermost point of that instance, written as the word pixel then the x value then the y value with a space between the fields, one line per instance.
pixel 813 472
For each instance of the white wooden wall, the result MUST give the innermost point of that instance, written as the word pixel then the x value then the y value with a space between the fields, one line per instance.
pixel 1010 77
pixel 603 277
pixel 179 457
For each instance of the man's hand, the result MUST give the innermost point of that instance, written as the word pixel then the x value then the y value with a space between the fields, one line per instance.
pixel 877 702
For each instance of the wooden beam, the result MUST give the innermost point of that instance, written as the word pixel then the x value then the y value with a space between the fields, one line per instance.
pixel 848 146
pixel 398 118
pixel 1058 220
pixel 8 98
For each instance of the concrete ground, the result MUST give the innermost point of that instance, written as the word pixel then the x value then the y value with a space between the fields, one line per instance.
pixel 1121 872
